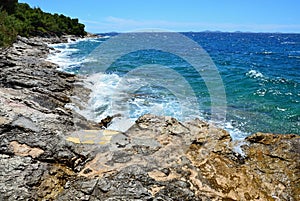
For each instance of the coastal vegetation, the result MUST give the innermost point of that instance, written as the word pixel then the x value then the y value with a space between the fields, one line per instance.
pixel 20 19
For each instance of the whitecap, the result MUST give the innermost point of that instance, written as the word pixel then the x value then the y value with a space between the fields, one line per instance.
pixel 293 56
pixel 254 74
pixel 62 53
pixel 110 96
pixel 62 56
pixel 281 109
pixel 288 43
pixel 261 92
pixel 267 52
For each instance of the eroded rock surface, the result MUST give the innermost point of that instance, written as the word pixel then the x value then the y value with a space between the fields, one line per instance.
pixel 34 120
pixel 44 157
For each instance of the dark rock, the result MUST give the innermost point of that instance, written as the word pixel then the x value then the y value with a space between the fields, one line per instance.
pixel 107 121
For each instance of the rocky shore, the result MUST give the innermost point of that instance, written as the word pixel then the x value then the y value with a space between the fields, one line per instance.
pixel 44 157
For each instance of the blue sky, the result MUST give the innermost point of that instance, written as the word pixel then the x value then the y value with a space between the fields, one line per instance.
pixel 179 15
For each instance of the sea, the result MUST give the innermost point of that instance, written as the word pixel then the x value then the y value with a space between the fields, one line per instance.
pixel 242 82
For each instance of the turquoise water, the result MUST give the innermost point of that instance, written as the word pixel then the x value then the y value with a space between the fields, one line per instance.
pixel 260 72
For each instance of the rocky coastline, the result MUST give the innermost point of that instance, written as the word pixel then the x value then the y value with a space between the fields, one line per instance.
pixel 44 157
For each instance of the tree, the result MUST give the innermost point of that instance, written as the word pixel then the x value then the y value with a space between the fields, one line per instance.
pixel 19 18
pixel 8 5
pixel 7 31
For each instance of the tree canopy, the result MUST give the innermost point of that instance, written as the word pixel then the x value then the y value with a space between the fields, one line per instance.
pixel 20 19
pixel 8 5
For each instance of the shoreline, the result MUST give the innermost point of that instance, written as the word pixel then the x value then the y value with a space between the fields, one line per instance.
pixel 167 159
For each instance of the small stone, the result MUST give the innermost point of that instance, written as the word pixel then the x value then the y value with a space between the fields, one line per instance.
pixel 87 170
pixel 67 185
pixel 88 186
pixel 104 185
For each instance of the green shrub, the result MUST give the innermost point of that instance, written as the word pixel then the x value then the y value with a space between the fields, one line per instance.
pixel 8 31
pixel 8 5
pixel 19 19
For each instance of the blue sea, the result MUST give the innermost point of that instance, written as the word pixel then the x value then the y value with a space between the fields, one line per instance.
pixel 253 77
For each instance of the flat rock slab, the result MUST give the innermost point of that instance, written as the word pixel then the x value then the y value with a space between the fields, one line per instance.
pixel 26 123
pixel 100 137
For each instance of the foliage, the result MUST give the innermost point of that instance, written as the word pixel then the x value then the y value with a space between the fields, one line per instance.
pixel 8 5
pixel 7 29
pixel 20 19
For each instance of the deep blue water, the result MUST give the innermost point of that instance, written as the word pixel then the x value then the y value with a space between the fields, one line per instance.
pixel 260 72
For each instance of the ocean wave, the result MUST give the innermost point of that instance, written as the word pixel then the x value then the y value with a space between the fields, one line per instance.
pixel 275 80
pixel 288 43
pixel 267 82
pixel 112 96
pixel 294 56
pixel 85 40
pixel 281 109
pixel 261 92
pixel 265 53
pixel 95 40
pixel 61 55
pixel 254 74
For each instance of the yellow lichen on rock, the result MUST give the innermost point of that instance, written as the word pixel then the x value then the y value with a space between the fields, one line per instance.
pixel 92 136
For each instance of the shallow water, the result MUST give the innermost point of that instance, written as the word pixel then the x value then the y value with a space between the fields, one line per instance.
pixel 260 72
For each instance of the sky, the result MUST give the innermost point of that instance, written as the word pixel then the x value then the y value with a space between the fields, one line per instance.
pixel 101 16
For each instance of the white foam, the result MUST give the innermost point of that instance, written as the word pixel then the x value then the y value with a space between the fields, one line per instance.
pixel 281 109
pixel 237 148
pixel 61 55
pixel 267 52
pixel 234 132
pixel 261 92
pixel 112 96
pixel 238 138
pixel 254 74
pixel 289 43
pixel 109 97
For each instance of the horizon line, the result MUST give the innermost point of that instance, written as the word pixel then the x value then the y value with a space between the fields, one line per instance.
pixel 204 31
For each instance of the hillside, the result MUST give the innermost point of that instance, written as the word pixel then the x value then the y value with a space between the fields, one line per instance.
pixel 20 19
